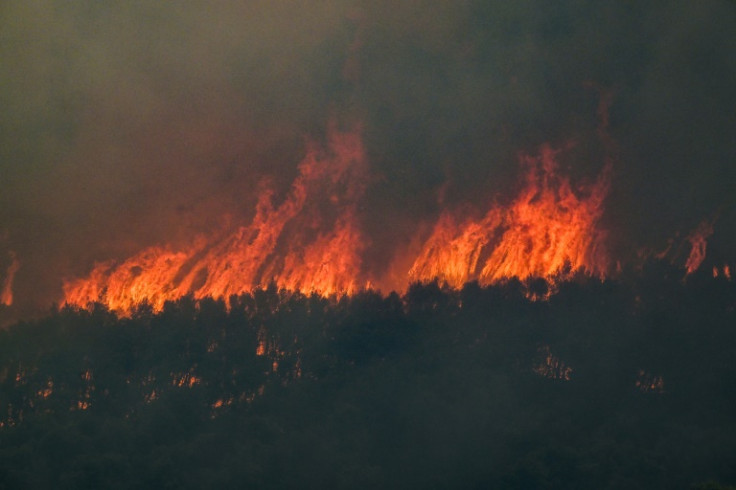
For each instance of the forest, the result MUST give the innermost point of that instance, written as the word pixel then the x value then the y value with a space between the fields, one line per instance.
pixel 622 383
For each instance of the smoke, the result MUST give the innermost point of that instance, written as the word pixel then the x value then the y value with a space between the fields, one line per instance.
pixel 127 125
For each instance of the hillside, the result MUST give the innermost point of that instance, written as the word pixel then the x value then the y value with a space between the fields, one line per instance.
pixel 618 384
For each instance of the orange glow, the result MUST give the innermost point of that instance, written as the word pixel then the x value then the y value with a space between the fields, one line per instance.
pixel 47 390
pixel 294 244
pixel 222 402
pixel 312 242
pixel 549 231
pixel 85 396
pixel 184 380
pixel 649 383
pixel 6 294
pixel 724 272
pixel 698 240
pixel 551 366
pixel 261 349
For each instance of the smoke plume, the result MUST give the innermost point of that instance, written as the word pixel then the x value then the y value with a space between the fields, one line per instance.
pixel 132 125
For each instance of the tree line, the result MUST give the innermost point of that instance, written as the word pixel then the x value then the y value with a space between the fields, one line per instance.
pixel 626 383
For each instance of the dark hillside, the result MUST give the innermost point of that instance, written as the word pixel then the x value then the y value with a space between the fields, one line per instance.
pixel 621 384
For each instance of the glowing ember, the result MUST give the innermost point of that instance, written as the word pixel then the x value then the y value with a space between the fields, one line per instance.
pixel 186 380
pixel 725 272
pixel 551 366
pixel 47 390
pixel 649 383
pixel 85 396
pixel 549 231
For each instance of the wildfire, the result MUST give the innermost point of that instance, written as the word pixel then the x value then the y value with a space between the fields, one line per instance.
pixel 549 231
pixel 311 242
pixel 293 245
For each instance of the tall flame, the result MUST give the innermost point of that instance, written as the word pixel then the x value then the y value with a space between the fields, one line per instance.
pixel 311 242
pixel 6 293
pixel 549 231
pixel 293 244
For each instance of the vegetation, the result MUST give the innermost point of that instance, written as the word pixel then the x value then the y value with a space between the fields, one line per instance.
pixel 608 385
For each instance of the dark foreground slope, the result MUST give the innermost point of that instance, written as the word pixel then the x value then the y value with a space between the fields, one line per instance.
pixel 627 384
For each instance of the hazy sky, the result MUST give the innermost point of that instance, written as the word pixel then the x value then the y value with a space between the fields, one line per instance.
pixel 126 124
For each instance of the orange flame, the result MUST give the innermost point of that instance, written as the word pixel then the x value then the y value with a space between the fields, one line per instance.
pixel 318 255
pixel 549 231
pixel 311 242
pixel 6 294
pixel 698 240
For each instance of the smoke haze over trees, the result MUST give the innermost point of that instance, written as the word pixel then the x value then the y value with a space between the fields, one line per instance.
pixel 130 125
pixel 137 127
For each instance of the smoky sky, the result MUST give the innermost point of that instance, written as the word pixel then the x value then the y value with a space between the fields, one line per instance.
pixel 126 124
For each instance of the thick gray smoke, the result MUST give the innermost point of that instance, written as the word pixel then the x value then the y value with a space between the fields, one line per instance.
pixel 126 124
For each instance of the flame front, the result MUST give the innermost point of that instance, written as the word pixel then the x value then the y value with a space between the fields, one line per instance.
pixel 292 245
pixel 549 231
pixel 312 242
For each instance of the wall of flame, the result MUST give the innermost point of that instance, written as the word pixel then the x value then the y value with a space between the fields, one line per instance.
pixel 312 240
